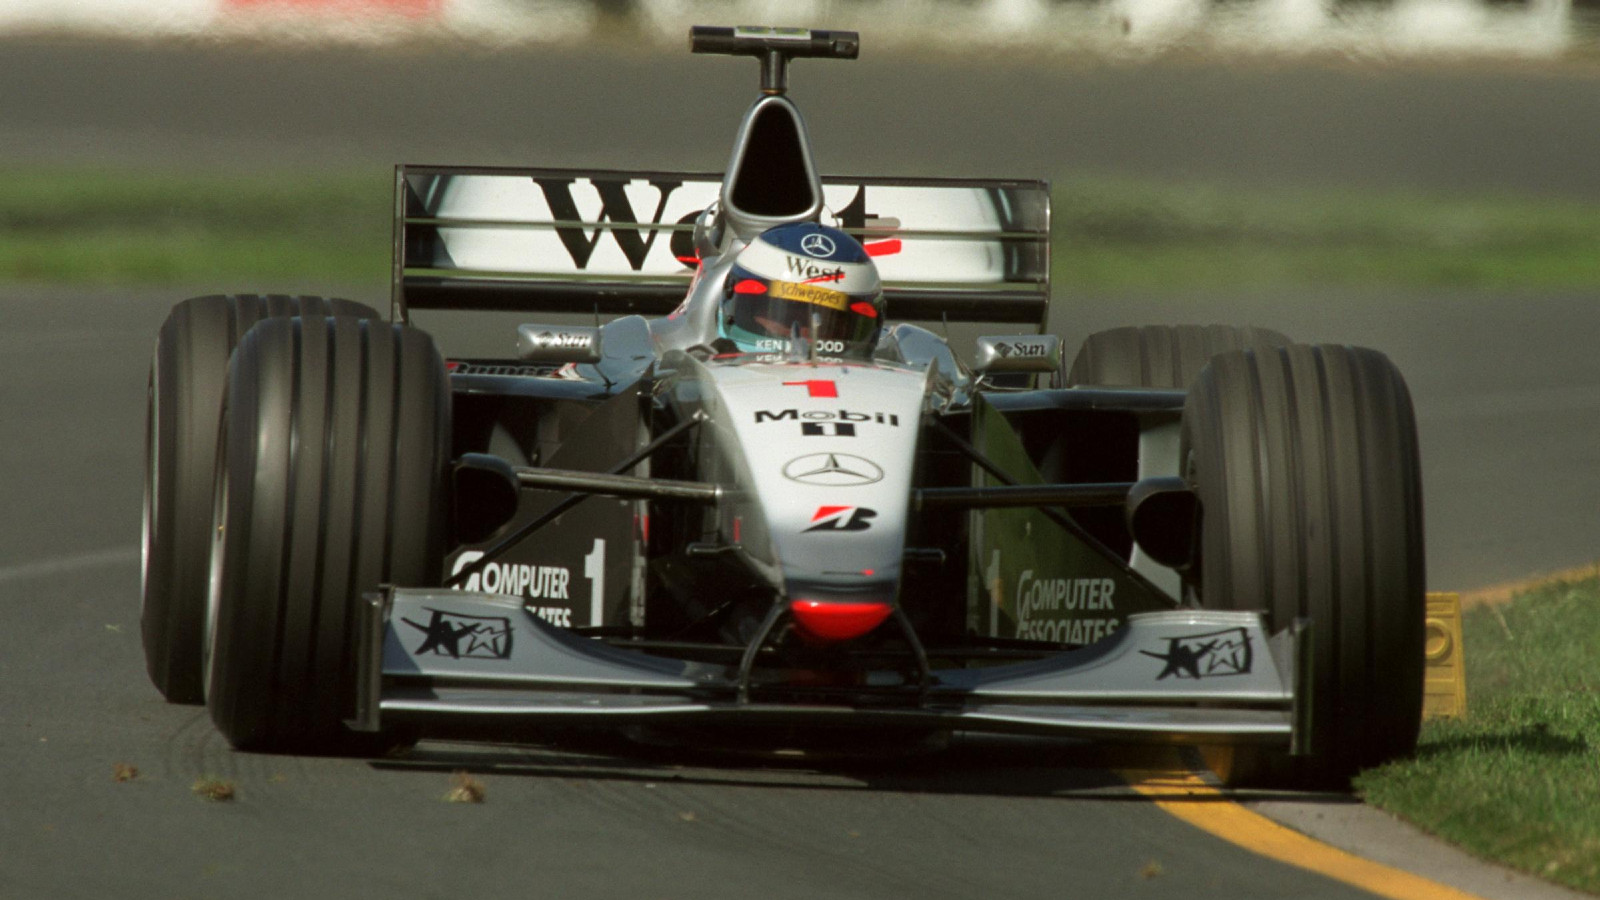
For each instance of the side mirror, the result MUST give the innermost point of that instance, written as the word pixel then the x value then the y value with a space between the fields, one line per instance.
pixel 1018 353
pixel 558 344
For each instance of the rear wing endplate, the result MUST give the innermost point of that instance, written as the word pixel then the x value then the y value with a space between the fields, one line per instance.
pixel 617 243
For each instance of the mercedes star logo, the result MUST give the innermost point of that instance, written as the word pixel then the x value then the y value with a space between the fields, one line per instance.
pixel 818 245
pixel 832 470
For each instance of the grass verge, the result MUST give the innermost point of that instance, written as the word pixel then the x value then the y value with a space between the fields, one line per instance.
pixel 1517 780
pixel 1152 236
pixel 235 231
pixel 254 231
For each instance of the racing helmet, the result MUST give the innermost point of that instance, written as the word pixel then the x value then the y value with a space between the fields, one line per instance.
pixel 805 275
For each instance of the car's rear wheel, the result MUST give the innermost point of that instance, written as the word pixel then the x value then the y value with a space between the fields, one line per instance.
pixel 336 447
pixel 1160 356
pixel 1305 462
pixel 184 407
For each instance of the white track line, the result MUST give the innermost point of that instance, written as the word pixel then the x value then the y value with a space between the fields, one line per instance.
pixel 96 559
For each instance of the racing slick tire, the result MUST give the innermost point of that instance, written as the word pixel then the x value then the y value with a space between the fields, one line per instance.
pixel 184 408
pixel 336 445
pixel 1304 459
pixel 1161 356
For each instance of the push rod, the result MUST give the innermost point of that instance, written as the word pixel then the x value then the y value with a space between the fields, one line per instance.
pixel 1013 495
pixel 550 515
pixel 617 485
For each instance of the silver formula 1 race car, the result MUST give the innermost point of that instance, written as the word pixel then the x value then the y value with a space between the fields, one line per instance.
pixel 756 497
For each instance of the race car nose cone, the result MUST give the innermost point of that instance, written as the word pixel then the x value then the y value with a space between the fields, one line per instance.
pixel 826 622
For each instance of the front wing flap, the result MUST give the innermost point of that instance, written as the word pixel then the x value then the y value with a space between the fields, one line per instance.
pixel 1185 676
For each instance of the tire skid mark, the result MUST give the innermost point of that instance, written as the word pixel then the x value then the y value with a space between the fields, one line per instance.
pixel 76 562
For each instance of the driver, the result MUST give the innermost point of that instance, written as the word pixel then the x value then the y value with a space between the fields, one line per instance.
pixel 803 278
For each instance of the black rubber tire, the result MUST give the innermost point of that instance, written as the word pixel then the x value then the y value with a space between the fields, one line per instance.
pixel 335 451
pixel 1161 356
pixel 1306 465
pixel 184 408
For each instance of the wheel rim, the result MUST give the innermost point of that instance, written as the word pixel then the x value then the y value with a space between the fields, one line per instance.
pixel 219 525
pixel 152 475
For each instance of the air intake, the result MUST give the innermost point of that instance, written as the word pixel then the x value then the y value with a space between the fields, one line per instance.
pixel 771 179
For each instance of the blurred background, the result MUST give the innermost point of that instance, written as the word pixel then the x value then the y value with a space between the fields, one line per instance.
pixel 1229 144
pixel 1418 176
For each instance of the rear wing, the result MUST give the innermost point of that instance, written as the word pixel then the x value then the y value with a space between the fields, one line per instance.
pixel 565 240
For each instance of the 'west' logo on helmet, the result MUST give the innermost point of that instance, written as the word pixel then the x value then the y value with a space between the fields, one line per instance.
pixel 614 207
pixel 809 270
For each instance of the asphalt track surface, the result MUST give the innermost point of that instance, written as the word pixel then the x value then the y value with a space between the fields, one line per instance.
pixel 1507 390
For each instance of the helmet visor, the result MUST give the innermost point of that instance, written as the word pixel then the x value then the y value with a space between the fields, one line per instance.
pixel 763 313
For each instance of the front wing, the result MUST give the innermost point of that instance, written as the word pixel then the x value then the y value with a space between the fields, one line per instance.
pixel 430 656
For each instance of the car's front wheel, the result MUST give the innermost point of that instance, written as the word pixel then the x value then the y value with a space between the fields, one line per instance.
pixel 336 447
pixel 1305 462
pixel 184 408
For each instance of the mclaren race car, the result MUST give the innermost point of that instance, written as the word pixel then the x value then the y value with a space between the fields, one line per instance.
pixel 728 483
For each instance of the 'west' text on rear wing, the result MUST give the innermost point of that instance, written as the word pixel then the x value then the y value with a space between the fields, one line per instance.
pixel 564 240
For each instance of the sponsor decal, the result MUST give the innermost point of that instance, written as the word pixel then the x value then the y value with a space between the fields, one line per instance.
pixel 832 470
pixel 827 298
pixel 466 368
pixel 818 245
pixel 827 423
pixel 1022 349
pixel 1057 594
pixel 561 340
pixel 515 579
pixel 827 429
pixel 531 583
pixel 807 270
pixel 616 209
pixel 818 388
pixel 779 345
pixel 1210 655
pixel 461 636
pixel 819 415
pixel 1040 603
pixel 842 518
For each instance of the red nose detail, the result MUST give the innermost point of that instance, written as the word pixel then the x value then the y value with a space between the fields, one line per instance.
pixel 826 622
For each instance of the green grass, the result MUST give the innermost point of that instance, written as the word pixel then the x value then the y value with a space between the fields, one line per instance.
pixel 258 231
pixel 1144 235
pixel 234 231
pixel 1518 779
